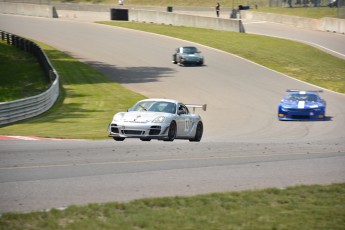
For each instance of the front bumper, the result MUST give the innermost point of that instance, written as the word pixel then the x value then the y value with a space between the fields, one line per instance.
pixel 195 61
pixel 137 130
pixel 301 114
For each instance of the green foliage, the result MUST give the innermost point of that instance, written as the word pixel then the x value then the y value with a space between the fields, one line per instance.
pixel 302 207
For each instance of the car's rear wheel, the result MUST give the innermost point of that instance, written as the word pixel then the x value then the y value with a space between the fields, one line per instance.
pixel 119 138
pixel 198 133
pixel 171 132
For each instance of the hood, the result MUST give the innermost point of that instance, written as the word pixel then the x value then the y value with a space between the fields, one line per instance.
pixel 301 104
pixel 141 117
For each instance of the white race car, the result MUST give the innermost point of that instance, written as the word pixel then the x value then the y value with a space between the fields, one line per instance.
pixel 161 119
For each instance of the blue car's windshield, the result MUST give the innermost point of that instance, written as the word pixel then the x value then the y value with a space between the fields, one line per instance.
pixel 301 97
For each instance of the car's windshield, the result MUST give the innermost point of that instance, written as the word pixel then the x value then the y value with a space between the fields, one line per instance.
pixel 301 97
pixel 155 106
pixel 189 50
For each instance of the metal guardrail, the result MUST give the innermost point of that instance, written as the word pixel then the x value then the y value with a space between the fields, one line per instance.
pixel 31 106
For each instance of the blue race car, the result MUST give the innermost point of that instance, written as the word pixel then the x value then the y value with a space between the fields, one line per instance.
pixel 302 105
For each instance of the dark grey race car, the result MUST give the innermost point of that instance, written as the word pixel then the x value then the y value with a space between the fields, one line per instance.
pixel 188 55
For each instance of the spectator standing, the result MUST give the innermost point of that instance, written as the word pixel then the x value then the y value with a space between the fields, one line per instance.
pixel 290 3
pixel 217 9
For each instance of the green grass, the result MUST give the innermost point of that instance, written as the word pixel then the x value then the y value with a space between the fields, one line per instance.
pixel 306 12
pixel 20 74
pixel 302 207
pixel 85 107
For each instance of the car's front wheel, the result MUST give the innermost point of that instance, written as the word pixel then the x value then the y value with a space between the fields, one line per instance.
pixel 174 59
pixel 198 133
pixel 180 61
pixel 171 132
pixel 119 138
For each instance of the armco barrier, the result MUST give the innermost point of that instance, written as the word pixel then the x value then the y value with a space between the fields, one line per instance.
pixel 32 106
pixel 36 10
pixel 169 18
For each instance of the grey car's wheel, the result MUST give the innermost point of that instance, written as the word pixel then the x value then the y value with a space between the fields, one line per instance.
pixel 180 62
pixel 119 138
pixel 174 59
pixel 172 132
pixel 198 133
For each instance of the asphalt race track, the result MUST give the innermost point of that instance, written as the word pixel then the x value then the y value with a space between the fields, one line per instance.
pixel 244 145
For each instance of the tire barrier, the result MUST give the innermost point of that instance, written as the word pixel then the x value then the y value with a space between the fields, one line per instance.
pixel 31 106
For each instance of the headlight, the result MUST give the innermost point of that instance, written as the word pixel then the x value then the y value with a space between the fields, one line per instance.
pixel 159 119
pixel 284 108
pixel 118 117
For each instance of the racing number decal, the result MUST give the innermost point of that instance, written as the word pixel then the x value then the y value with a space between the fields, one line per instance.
pixel 188 124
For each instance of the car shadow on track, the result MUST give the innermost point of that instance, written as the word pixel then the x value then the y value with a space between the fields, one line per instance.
pixel 327 118
pixel 140 74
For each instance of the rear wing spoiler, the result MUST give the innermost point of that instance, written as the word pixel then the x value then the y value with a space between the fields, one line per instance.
pixel 297 90
pixel 194 106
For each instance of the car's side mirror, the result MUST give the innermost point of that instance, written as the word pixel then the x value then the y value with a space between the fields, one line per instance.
pixel 179 112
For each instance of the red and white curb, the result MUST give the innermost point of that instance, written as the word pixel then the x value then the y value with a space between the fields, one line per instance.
pixel 29 138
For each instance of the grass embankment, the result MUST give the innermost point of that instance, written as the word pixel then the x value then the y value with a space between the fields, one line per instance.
pixel 87 102
pixel 263 6
pixel 306 12
pixel 89 99
pixel 191 3
pixel 303 207
pixel 20 74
